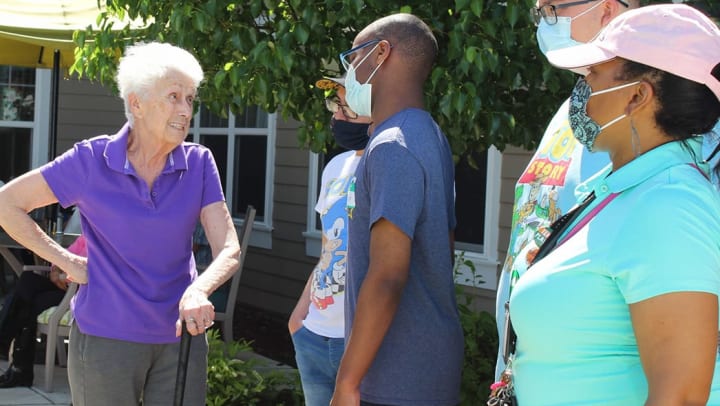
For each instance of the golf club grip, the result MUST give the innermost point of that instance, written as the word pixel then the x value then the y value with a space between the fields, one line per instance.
pixel 182 365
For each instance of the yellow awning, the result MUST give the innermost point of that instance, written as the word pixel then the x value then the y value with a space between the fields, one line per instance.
pixel 30 30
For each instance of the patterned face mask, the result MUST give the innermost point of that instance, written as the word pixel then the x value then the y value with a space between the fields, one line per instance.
pixel 584 128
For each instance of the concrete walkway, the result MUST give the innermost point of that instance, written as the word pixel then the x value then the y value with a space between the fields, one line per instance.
pixel 35 395
pixel 60 395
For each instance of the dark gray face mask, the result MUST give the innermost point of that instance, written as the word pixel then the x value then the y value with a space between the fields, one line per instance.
pixel 352 136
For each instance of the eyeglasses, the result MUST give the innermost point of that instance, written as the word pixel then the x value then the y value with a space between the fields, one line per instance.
pixel 333 104
pixel 345 56
pixel 548 12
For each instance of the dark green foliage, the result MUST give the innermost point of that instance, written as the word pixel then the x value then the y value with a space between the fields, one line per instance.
pixel 481 343
pixel 237 382
pixel 490 86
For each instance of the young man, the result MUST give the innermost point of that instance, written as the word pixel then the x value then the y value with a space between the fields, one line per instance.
pixel 317 324
pixel 540 198
pixel 404 340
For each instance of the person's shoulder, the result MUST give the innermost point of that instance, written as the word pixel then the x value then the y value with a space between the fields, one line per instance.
pixel 342 157
pixel 98 140
pixel 93 146
pixel 195 150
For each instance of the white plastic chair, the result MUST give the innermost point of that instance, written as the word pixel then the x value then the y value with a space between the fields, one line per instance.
pixel 54 330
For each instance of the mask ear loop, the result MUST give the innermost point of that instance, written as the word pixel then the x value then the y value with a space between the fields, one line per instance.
pixel 634 138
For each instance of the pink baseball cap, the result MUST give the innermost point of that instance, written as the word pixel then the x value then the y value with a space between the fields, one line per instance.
pixel 675 38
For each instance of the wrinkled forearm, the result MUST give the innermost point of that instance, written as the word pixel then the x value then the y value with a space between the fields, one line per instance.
pixel 16 222
pixel 220 270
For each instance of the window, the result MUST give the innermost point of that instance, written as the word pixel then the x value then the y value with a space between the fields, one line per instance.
pixel 477 204
pixel 476 208
pixel 313 235
pixel 243 147
pixel 24 119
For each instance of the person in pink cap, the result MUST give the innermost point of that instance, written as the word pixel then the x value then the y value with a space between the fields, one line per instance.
pixel 638 262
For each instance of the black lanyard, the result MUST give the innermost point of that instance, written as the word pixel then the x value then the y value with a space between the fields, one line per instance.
pixel 557 229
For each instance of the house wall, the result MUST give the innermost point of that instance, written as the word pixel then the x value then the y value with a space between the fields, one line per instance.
pixel 86 109
pixel 272 279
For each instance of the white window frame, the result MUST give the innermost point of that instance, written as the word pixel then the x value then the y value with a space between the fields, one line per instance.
pixel 262 230
pixel 312 235
pixel 40 126
pixel 485 261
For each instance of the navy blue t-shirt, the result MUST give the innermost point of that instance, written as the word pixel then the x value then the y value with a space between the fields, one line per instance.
pixel 406 176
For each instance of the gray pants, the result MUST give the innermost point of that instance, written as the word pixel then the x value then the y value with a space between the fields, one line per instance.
pixel 104 371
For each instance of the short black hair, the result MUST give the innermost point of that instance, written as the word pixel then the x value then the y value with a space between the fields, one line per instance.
pixel 412 38
pixel 685 108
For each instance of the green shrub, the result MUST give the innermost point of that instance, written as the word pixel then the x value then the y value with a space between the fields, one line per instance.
pixel 236 382
pixel 481 345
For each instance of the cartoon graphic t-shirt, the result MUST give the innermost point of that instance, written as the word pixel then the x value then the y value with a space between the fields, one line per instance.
pixel 326 316
pixel 543 193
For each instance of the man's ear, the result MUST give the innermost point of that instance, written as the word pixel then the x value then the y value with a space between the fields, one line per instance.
pixel 384 49
pixel 610 10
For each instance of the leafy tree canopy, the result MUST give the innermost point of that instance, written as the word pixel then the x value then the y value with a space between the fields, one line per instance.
pixel 490 85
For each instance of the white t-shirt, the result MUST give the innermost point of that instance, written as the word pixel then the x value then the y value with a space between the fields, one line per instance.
pixel 326 316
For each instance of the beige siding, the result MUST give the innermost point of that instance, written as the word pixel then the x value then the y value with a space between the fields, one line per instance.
pixel 86 109
pixel 273 279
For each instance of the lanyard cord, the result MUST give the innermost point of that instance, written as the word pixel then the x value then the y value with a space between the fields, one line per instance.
pixel 551 242
pixel 551 238
pixel 557 229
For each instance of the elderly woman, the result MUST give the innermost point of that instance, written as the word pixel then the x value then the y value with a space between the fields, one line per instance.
pixel 140 193
pixel 624 309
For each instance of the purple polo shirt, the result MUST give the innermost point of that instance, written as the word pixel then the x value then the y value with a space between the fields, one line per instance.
pixel 139 240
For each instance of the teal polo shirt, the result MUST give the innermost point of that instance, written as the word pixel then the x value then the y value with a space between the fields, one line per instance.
pixel 661 234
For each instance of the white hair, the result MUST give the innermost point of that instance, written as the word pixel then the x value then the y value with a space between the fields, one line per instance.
pixel 146 63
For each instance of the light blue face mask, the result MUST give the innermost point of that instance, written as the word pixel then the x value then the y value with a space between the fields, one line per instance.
pixel 558 35
pixel 358 95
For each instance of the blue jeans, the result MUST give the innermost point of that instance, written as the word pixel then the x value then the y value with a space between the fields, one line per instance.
pixel 318 359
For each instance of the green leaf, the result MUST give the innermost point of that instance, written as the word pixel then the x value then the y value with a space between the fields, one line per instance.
pixel 476 6
pixel 301 33
pixel 461 5
pixel 471 53
pixel 219 78
pixel 199 21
